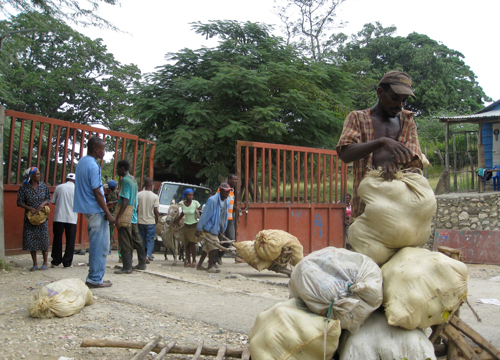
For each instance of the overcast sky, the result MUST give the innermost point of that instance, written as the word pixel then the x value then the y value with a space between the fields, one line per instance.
pixel 157 27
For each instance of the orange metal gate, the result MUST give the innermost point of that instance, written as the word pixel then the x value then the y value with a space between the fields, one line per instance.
pixel 54 146
pixel 296 189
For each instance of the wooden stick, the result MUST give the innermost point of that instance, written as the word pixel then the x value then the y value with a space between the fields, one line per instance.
pixel 165 350
pixel 217 245
pixel 198 350
pixel 474 336
pixel 436 331
pixel 455 337
pixel 246 354
pixel 147 348
pixel 177 349
pixel 221 353
pixel 473 311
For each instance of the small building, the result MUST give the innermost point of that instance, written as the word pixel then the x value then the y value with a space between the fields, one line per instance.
pixel 488 120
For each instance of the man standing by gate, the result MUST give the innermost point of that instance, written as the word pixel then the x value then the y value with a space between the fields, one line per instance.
pixel 89 200
pixel 65 220
pixel 147 217
pixel 230 232
pixel 384 136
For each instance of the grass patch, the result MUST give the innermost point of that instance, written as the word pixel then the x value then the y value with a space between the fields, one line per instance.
pixel 4 266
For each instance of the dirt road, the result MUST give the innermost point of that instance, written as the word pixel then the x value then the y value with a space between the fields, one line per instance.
pixel 171 301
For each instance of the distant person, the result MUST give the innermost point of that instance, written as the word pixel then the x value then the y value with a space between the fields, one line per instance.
pixel 128 232
pixel 383 136
pixel 65 220
pixel 147 217
pixel 230 232
pixel 189 210
pixel 32 196
pixel 348 214
pixel 213 221
pixel 89 200
pixel 111 201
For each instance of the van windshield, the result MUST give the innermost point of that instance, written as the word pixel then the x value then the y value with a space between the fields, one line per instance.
pixel 174 191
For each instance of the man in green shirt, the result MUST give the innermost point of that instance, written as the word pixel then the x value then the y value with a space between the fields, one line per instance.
pixel 128 232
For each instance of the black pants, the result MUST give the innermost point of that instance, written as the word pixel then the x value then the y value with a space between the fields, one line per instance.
pixel 59 228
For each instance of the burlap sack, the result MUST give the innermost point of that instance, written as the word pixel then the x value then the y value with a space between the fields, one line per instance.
pixel 348 283
pixel 422 287
pixel 398 214
pixel 246 250
pixel 61 298
pixel 378 340
pixel 288 331
pixel 268 245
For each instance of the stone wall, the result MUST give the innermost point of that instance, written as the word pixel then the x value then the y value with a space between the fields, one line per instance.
pixel 469 211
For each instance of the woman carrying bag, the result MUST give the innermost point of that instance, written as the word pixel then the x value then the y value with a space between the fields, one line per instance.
pixel 34 196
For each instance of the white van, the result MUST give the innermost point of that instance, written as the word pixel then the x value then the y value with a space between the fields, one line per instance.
pixel 173 191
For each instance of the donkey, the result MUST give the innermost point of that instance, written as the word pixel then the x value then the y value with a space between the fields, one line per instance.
pixel 172 235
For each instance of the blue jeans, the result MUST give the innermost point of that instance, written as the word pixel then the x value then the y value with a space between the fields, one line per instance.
pixel 98 230
pixel 147 233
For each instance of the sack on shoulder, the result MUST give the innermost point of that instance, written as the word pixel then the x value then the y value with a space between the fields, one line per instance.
pixel 126 217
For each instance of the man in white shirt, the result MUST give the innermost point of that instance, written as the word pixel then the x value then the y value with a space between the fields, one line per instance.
pixel 147 217
pixel 65 220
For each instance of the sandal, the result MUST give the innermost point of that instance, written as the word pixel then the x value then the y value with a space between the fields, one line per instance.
pixel 34 268
pixel 43 267
pixel 201 268
pixel 214 270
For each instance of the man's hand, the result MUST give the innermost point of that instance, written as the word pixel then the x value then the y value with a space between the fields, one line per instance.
pixel 401 153
pixel 197 233
pixel 117 222
pixel 33 210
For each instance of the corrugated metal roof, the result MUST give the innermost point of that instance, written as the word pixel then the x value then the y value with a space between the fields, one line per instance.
pixel 490 115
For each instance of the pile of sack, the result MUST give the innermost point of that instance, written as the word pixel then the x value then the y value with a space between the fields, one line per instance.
pixel 417 288
pixel 266 248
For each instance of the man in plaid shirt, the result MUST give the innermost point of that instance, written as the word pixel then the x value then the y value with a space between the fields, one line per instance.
pixel 383 136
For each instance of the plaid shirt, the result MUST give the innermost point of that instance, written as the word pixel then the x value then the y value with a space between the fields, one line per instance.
pixel 358 128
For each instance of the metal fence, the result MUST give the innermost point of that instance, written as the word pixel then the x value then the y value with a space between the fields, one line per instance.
pixel 464 161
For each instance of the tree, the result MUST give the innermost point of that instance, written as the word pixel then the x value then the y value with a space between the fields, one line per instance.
pixel 252 86
pixel 58 72
pixel 81 12
pixel 309 21
pixel 442 81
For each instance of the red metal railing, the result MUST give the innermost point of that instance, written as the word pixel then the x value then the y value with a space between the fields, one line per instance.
pixel 297 189
pixel 55 146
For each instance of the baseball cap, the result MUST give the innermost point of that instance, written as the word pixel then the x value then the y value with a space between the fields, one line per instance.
pixel 225 187
pixel 399 81
pixel 70 176
pixel 112 184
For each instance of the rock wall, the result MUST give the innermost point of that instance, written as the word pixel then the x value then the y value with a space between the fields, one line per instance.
pixel 466 212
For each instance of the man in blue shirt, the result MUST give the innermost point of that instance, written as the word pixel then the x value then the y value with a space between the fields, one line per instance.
pixel 128 231
pixel 89 200
pixel 213 221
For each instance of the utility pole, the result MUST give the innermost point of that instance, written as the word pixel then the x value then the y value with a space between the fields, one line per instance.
pixel 9 33
pixel 2 233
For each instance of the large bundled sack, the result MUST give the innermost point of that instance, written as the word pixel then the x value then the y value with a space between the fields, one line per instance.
pixel 246 250
pixel 422 287
pixel 398 214
pixel 289 331
pixel 378 340
pixel 348 283
pixel 60 298
pixel 268 244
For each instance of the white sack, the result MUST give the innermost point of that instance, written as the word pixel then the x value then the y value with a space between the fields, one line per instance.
pixel 289 331
pixel 60 298
pixel 422 287
pixel 352 281
pixel 398 214
pixel 378 340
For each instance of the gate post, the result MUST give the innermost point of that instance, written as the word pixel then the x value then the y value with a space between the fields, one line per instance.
pixel 2 234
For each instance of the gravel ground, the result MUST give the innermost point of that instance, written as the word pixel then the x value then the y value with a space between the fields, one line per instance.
pixel 172 301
